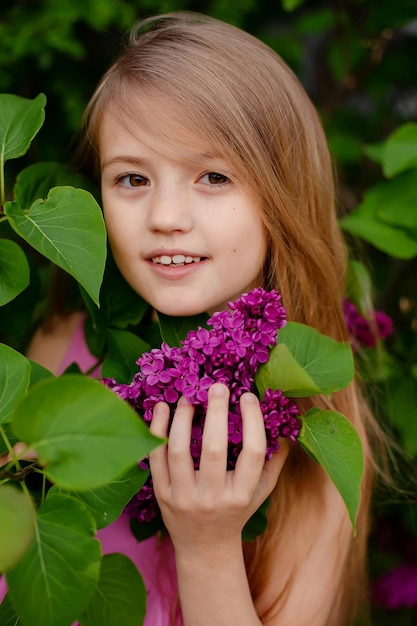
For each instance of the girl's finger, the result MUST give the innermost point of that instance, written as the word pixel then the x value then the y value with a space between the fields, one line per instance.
pixel 251 460
pixel 213 461
pixel 181 465
pixel 158 458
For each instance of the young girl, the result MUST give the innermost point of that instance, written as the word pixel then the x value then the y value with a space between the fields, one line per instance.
pixel 216 178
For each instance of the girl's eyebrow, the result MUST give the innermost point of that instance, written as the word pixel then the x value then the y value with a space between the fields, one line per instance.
pixel 144 162
pixel 136 161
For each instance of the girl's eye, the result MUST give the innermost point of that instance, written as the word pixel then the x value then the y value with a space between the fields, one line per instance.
pixel 132 180
pixel 214 178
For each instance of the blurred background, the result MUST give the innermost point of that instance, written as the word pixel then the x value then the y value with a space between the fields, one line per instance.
pixel 358 61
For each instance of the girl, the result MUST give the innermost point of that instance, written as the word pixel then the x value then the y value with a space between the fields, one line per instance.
pixel 216 178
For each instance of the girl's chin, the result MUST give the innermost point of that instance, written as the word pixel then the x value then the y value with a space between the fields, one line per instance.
pixel 173 310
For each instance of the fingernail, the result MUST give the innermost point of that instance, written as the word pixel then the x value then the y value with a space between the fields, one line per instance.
pixel 249 398
pixel 218 390
pixel 183 401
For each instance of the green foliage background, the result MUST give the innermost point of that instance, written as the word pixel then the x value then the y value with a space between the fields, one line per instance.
pixel 358 61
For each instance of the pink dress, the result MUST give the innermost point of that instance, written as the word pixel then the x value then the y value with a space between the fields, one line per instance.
pixel 153 558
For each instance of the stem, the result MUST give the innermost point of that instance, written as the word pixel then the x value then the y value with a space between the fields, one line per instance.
pixel 9 447
pixel 2 192
pixel 43 488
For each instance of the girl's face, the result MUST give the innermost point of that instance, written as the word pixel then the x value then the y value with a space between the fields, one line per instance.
pixel 185 232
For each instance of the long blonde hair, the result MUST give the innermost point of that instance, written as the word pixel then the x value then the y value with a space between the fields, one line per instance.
pixel 237 95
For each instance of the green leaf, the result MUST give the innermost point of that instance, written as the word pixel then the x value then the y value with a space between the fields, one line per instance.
pixel 304 362
pixel 332 441
pixel 174 329
pixel 20 120
pixel 401 403
pixel 282 371
pixel 120 596
pixel 38 372
pixel 17 317
pixel 53 583
pixel 8 616
pixel 290 5
pixel 17 525
pixel 14 271
pixel 107 503
pixel 35 181
pixel 398 201
pixel 400 151
pixel 385 215
pixel 14 380
pixel 374 151
pixel 120 305
pixel 68 229
pixel 124 350
pixel 84 434
pixel 257 524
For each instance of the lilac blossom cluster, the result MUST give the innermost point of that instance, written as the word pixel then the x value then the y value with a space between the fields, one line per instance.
pixel 365 331
pixel 238 341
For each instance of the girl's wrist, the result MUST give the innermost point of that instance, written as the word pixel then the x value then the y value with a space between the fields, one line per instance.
pixel 210 554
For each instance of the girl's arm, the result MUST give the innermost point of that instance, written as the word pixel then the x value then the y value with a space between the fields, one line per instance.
pixel 205 511
pixel 49 344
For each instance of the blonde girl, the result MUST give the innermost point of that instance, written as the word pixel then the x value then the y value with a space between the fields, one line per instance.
pixel 215 178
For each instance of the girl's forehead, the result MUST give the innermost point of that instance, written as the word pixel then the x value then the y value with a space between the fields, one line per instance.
pixel 162 125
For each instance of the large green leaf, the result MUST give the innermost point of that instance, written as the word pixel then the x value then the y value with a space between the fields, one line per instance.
pixel 68 229
pixel 332 441
pixel 124 350
pixel 174 329
pixel 304 362
pixel 400 150
pixel 17 517
pixel 20 120
pixel 14 380
pixel 53 582
pixel 84 434
pixel 386 217
pixel 120 596
pixel 106 503
pixel 14 270
pixel 35 181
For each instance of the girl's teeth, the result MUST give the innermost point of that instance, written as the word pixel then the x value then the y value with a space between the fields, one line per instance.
pixel 177 259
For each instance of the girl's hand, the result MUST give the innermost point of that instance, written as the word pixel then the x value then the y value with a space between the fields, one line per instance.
pixel 211 504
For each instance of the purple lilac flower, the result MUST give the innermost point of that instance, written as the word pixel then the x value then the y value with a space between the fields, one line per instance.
pixel 238 340
pixel 397 588
pixel 365 332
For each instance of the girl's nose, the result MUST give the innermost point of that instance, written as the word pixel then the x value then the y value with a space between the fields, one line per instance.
pixel 169 211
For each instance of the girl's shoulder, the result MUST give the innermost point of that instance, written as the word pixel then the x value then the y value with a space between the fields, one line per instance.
pixel 50 343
